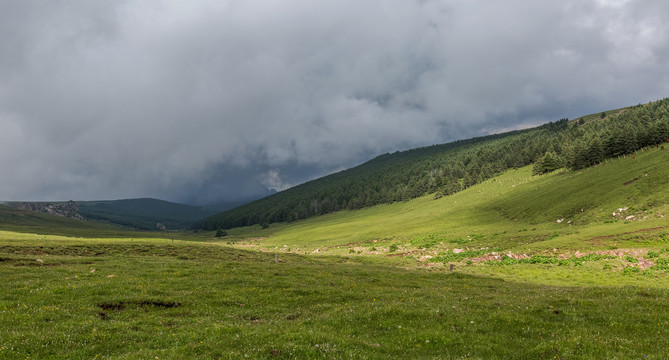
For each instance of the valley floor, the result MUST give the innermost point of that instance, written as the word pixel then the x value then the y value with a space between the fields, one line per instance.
pixel 154 298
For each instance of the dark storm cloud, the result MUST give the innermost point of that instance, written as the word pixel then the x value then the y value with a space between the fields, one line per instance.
pixel 205 100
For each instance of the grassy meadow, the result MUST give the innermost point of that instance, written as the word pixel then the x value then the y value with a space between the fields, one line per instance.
pixel 617 209
pixel 568 265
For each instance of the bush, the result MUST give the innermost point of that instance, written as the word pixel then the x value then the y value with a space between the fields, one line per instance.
pixel 631 259
pixel 221 233
pixel 662 261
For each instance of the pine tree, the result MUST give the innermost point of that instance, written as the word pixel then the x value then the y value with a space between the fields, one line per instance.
pixel 595 153
pixel 546 164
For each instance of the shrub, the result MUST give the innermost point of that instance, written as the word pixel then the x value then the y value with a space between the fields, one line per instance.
pixel 221 233
pixel 660 267
pixel 662 261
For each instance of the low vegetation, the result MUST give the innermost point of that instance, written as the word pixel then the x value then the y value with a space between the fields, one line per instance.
pixel 122 299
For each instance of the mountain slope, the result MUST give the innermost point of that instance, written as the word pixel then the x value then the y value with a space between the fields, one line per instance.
pixel 449 168
pixel 512 212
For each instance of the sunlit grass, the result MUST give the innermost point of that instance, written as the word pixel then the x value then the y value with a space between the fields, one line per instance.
pixel 129 299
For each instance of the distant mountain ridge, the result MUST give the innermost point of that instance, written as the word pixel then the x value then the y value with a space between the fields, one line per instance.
pixel 140 214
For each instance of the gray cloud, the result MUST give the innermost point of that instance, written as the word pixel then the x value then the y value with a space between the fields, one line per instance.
pixel 204 100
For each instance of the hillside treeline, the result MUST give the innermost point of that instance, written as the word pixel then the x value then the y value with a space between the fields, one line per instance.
pixel 449 168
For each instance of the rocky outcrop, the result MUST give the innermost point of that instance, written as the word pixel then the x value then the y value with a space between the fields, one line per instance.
pixel 65 209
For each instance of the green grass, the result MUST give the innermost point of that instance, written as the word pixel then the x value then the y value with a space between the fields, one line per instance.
pixel 153 298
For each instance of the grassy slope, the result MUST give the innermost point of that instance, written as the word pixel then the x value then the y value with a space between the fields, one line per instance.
pixel 121 299
pixel 509 203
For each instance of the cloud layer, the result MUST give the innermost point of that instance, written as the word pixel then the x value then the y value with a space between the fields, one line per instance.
pixel 200 101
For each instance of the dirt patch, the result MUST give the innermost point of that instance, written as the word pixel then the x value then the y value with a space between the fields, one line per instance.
pixel 112 306
pixel 292 317
pixel 631 181
pixel 121 305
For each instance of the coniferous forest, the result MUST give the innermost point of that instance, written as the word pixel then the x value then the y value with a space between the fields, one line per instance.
pixel 448 168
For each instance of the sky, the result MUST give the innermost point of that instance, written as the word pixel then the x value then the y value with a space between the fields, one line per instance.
pixel 205 101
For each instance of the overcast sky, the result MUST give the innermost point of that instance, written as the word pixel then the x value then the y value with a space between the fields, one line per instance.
pixel 198 101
